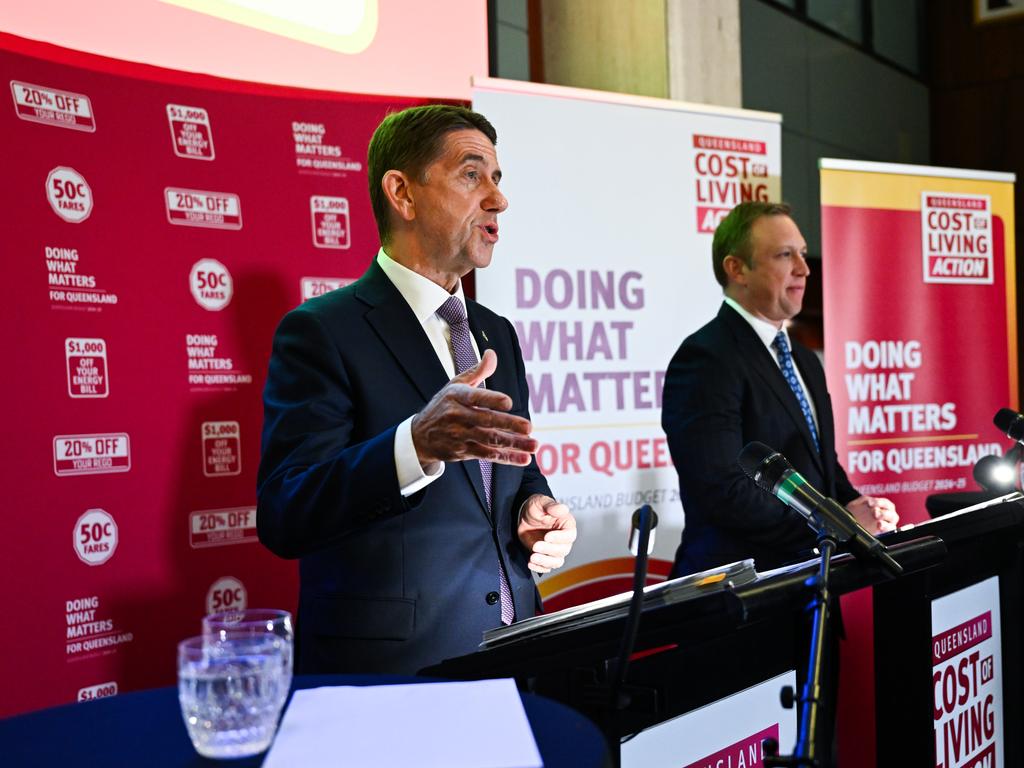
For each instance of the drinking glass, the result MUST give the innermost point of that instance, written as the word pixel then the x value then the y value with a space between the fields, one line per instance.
pixel 230 693
pixel 251 623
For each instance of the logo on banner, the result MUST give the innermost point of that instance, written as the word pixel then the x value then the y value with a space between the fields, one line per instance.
pixel 91 454
pixel 729 171
pixel 330 221
pixel 956 238
pixel 69 194
pixel 747 752
pixel 197 208
pixel 966 677
pixel 226 594
pixel 220 527
pixel 93 636
pixel 98 691
pixel 87 367
pixel 222 448
pixel 315 154
pixel 40 104
pixel 206 369
pixel 95 537
pixel 211 284
pixel 67 285
pixel 311 287
pixel 191 134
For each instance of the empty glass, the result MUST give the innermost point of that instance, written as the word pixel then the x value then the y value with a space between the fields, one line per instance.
pixel 231 693
pixel 251 623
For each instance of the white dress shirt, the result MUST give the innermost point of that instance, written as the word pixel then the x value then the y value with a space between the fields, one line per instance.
pixel 424 297
pixel 766 333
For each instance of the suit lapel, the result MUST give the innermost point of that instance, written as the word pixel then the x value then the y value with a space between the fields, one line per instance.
pixel 401 333
pixel 488 335
pixel 761 362
pixel 398 329
pixel 492 332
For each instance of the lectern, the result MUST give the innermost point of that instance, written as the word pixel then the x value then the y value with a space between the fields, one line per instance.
pixel 949 680
pixel 718 634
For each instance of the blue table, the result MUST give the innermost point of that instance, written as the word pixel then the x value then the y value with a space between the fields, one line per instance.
pixel 145 729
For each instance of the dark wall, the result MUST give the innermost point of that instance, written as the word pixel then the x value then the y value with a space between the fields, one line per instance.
pixel 977 99
pixel 836 101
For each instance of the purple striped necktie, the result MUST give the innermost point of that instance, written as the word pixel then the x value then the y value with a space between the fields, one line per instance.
pixel 454 313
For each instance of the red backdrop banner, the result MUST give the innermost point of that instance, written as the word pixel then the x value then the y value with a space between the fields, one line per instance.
pixel 158 225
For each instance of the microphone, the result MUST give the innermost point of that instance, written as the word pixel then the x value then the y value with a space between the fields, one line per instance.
pixel 634 531
pixel 772 473
pixel 1010 423
pixel 995 473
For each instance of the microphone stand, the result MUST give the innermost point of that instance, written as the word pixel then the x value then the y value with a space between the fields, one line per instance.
pixel 617 699
pixel 772 473
pixel 812 698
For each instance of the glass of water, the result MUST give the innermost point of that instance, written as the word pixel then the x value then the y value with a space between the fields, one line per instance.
pixel 231 693
pixel 253 623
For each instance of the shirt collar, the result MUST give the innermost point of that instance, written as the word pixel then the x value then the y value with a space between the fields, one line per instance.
pixel 423 295
pixel 765 331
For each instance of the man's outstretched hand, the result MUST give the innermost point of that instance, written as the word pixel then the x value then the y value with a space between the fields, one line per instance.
pixel 465 421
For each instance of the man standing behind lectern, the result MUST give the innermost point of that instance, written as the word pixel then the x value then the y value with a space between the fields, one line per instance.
pixel 741 378
pixel 409 492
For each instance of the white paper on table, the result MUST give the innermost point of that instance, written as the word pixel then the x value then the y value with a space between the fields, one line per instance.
pixel 456 725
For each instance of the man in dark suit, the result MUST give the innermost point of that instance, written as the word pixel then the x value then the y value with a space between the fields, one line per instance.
pixel 409 492
pixel 741 378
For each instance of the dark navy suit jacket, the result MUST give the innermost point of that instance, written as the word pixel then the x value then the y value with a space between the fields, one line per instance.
pixel 722 391
pixel 388 584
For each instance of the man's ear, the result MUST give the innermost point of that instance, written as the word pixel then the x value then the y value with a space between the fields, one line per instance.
pixel 735 269
pixel 399 194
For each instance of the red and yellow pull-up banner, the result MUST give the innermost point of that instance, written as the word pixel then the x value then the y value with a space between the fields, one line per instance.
pixel 920 352
pixel 920 323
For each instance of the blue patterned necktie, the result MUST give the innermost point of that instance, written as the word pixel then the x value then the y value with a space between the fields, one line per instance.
pixel 453 313
pixel 781 345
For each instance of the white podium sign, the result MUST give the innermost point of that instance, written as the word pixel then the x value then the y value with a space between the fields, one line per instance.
pixel 725 734
pixel 967 677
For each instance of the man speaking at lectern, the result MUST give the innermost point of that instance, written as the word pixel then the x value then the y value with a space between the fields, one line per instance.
pixel 409 492
pixel 741 378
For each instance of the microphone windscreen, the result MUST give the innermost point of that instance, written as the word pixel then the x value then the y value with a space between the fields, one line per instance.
pixel 762 464
pixel 1005 418
pixel 636 519
pixel 752 456
pixel 634 532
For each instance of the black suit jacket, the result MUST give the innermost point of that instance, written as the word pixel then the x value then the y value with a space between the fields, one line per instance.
pixel 722 391
pixel 388 583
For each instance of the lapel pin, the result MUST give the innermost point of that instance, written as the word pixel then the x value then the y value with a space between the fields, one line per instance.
pixel 484 334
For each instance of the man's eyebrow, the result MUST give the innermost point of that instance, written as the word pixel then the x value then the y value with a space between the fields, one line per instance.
pixel 471 157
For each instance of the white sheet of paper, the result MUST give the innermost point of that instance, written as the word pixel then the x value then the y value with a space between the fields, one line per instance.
pixel 455 725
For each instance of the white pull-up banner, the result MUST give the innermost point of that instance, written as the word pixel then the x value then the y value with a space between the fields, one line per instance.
pixel 604 266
